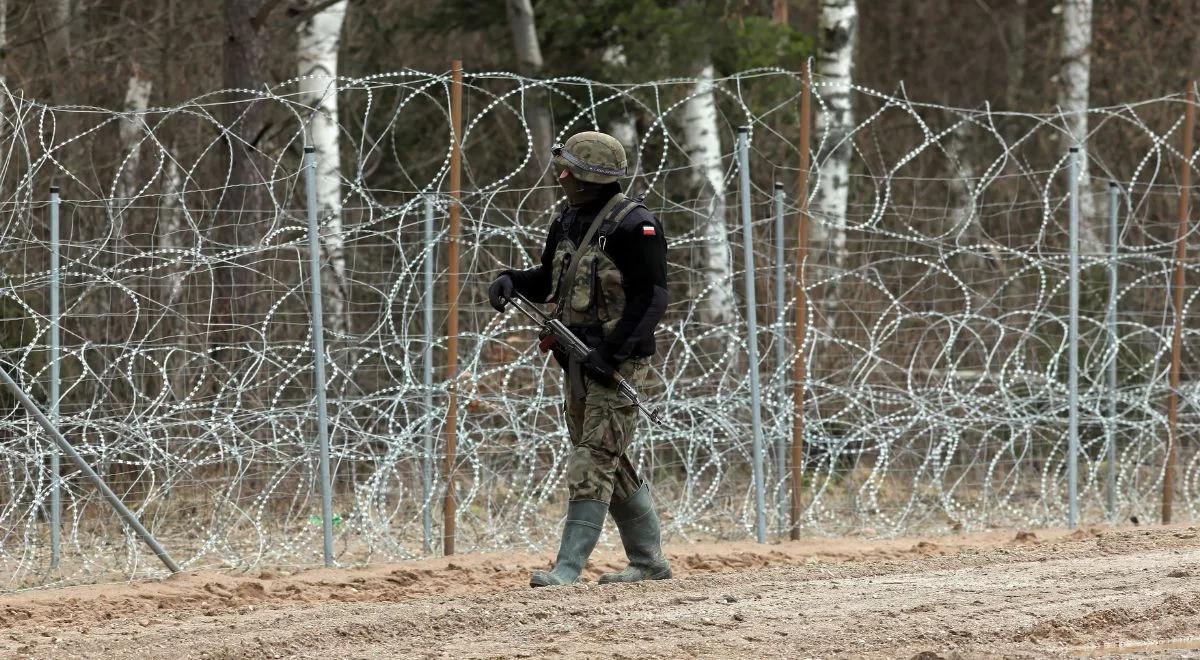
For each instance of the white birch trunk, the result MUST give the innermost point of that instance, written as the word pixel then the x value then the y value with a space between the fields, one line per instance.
pixel 622 126
pixel 703 143
pixel 962 166
pixel 3 41
pixel 525 39
pixel 170 226
pixel 964 220
pixel 835 68
pixel 1074 79
pixel 317 56
pixel 522 22
pixel 3 56
pixel 131 131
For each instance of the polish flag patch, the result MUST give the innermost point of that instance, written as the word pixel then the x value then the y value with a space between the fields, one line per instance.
pixel 648 230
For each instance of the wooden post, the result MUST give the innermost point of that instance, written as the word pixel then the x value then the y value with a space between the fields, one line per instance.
pixel 1185 183
pixel 779 12
pixel 449 507
pixel 798 367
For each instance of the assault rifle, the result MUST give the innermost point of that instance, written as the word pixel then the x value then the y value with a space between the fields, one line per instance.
pixel 556 333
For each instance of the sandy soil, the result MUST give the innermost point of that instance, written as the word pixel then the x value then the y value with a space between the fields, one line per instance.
pixel 1023 594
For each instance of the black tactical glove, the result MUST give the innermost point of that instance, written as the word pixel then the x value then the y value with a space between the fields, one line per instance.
pixel 500 291
pixel 599 367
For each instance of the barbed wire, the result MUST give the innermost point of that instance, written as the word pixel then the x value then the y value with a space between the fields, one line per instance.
pixel 936 350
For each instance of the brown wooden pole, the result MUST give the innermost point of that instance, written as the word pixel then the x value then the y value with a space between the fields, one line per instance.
pixel 798 367
pixel 1185 184
pixel 779 12
pixel 449 506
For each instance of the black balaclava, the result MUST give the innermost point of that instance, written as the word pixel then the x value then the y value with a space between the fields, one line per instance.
pixel 579 192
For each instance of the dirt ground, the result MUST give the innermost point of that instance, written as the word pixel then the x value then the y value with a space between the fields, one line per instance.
pixel 1013 594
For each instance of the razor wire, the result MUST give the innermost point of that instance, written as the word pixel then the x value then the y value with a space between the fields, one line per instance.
pixel 936 350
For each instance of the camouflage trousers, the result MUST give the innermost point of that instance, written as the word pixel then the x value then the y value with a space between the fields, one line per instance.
pixel 601 425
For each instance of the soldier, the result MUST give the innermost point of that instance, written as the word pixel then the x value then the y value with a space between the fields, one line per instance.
pixel 604 269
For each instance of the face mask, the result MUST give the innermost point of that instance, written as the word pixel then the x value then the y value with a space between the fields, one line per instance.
pixel 578 192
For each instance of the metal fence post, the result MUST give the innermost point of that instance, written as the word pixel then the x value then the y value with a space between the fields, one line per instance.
pixel 431 428
pixel 66 448
pixel 781 356
pixel 1111 440
pixel 743 155
pixel 1073 343
pixel 55 468
pixel 318 333
pixel 449 505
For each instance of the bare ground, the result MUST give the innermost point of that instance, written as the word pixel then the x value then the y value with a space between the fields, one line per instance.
pixel 1008 594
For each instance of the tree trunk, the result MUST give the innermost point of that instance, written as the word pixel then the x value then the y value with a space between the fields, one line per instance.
pixel 137 99
pixel 244 68
pixel 1014 64
pixel 623 126
pixel 169 233
pixel 521 21
pixel 3 41
pixel 835 66
pixel 317 56
pixel 964 221
pixel 58 32
pixel 703 143
pixel 1074 78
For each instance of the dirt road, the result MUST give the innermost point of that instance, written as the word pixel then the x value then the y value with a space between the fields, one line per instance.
pixel 1023 595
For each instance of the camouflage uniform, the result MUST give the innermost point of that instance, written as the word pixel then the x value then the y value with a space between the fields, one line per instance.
pixel 601 426
pixel 604 271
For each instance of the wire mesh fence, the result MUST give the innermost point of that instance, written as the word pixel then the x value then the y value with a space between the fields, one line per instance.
pixel 936 304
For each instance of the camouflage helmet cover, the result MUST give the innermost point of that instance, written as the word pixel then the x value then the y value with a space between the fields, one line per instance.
pixel 591 156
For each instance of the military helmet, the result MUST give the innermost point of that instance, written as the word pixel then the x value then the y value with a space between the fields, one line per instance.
pixel 591 156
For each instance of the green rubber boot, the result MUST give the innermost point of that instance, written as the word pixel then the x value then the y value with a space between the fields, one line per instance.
pixel 585 519
pixel 642 539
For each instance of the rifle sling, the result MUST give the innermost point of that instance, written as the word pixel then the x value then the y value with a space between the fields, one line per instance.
pixel 574 370
pixel 585 244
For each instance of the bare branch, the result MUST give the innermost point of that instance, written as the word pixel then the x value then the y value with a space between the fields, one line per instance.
pixel 264 12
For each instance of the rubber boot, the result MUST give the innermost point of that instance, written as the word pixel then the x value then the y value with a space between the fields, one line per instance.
pixel 642 539
pixel 585 519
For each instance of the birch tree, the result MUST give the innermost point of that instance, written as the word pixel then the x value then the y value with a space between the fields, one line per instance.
pixel 1074 79
pixel 3 41
pixel 703 143
pixel 130 132
pixel 622 126
pixel 58 33
pixel 835 66
pixel 137 100
pixel 318 39
pixel 523 25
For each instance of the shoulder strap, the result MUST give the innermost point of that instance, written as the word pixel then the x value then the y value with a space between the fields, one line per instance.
pixel 618 215
pixel 587 238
